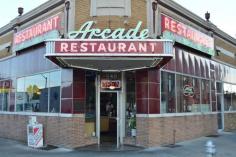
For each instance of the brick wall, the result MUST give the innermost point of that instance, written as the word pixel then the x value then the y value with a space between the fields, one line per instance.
pixel 160 130
pixel 230 121
pixel 3 40
pixel 58 131
pixel 229 47
pixel 138 13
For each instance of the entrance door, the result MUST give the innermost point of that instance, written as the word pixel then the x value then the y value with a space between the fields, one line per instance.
pixel 108 117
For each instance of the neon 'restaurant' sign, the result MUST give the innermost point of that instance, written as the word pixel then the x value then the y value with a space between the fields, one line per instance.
pixel 87 32
pixel 187 35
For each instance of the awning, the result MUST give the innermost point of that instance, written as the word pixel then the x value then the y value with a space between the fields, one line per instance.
pixel 109 55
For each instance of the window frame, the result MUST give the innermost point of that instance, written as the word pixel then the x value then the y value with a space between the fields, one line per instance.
pixel 94 8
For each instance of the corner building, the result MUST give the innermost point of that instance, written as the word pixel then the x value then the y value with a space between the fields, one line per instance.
pixel 139 72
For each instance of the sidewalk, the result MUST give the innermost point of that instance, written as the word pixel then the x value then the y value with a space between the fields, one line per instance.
pixel 225 145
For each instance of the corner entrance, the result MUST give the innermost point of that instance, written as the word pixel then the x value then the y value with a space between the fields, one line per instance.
pixel 108 118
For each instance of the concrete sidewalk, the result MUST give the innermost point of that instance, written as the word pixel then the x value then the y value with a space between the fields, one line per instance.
pixel 225 144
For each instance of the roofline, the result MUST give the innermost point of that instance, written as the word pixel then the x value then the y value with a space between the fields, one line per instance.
pixel 170 4
pixel 43 8
pixel 182 11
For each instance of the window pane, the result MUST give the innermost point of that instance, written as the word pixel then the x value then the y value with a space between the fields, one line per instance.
pixel 20 94
pixel 130 102
pixel 4 95
pixel 205 95
pixel 90 107
pixel 234 97
pixel 168 104
pixel 187 93
pixel 227 97
pixel 196 106
pixel 36 88
pixel 219 87
pixel 55 91
pixel 179 93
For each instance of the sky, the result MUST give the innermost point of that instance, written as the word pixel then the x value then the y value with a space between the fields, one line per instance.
pixel 223 13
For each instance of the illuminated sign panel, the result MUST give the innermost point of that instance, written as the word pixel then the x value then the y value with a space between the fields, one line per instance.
pixel 110 81
pixel 187 35
pixel 110 84
pixel 37 33
pixel 188 91
pixel 88 32
pixel 108 47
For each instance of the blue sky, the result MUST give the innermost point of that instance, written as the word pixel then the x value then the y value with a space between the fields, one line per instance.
pixel 223 13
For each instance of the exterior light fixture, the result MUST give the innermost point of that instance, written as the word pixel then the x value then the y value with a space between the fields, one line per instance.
pixel 207 16
pixel 67 7
pixel 154 8
pixel 112 87
pixel 20 10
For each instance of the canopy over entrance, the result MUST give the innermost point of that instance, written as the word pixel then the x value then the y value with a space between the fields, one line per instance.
pixel 109 55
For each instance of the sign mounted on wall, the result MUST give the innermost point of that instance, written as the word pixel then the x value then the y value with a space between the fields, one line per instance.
pixel 110 81
pixel 109 47
pixel 188 91
pixel 37 33
pixel 184 34
pixel 110 84
pixel 87 31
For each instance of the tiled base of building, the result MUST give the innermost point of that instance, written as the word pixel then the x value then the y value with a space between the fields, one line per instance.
pixel 58 131
pixel 167 130
pixel 230 121
pixel 151 131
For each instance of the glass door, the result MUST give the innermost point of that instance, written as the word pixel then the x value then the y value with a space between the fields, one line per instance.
pixel 108 117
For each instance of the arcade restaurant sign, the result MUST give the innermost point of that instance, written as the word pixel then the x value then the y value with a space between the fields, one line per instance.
pixel 88 32
pixel 87 40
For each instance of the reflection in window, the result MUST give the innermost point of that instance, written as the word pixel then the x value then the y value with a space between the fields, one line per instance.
pixel 227 97
pixel 234 97
pixel 179 93
pixel 5 87
pixel 34 93
pixel 205 96
pixel 130 103
pixel 55 91
pixel 196 106
pixel 168 104
pixel 90 107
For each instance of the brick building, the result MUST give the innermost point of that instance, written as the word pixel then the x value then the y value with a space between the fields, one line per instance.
pixel 139 72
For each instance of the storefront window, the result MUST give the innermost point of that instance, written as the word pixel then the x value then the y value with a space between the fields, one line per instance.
pixel 130 103
pixel 20 94
pixel 90 107
pixel 205 96
pixel 55 91
pixel 196 106
pixel 35 93
pixel 189 92
pixel 234 97
pixel 227 97
pixel 179 93
pixel 4 95
pixel 168 104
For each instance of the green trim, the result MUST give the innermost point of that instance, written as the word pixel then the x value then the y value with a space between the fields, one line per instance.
pixel 50 35
pixel 187 42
